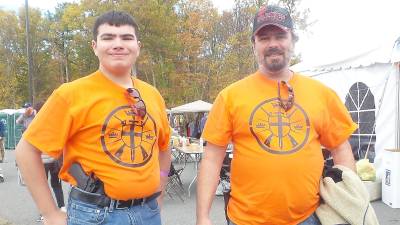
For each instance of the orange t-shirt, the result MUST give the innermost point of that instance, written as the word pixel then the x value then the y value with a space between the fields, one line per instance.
pixel 277 161
pixel 90 121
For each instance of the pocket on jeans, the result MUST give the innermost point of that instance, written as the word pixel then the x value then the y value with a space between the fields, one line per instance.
pixel 152 205
pixel 85 214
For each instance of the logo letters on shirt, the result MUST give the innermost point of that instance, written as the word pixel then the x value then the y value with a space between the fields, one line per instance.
pixel 277 131
pixel 127 139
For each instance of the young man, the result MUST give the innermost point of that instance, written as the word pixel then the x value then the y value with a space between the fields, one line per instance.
pixel 113 133
pixel 277 121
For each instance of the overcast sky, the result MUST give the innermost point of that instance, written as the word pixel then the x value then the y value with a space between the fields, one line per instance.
pixel 348 27
pixel 42 4
pixel 50 4
pixel 342 28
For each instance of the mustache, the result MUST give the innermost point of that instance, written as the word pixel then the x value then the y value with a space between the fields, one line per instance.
pixel 273 51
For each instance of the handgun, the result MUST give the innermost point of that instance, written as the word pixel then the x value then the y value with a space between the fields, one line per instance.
pixel 88 183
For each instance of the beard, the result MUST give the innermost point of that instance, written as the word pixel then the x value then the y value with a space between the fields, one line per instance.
pixel 275 64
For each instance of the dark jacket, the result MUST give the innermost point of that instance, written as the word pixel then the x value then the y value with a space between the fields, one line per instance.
pixel 2 129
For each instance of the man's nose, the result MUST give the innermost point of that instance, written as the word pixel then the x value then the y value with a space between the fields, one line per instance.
pixel 118 43
pixel 273 42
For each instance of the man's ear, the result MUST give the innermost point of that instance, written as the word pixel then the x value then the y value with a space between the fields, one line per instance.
pixel 94 45
pixel 140 44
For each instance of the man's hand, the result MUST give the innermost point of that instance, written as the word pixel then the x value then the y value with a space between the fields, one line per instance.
pixel 160 200
pixel 32 170
pixel 56 218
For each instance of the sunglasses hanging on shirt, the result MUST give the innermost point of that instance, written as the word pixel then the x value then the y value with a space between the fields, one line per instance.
pixel 288 103
pixel 136 102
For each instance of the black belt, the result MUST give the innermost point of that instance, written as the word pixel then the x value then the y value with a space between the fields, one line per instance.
pixel 104 201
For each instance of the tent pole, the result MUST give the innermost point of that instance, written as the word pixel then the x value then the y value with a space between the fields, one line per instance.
pixel 397 104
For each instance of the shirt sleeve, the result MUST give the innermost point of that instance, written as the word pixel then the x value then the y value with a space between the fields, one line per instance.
pixel 218 127
pixel 50 128
pixel 338 124
pixel 165 131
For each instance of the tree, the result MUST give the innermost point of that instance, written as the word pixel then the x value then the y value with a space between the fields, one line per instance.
pixel 9 59
pixel 189 50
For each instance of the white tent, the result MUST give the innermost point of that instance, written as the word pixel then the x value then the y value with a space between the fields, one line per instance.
pixel 368 83
pixel 196 106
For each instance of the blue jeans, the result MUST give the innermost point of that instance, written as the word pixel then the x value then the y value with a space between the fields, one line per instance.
pixel 81 213
pixel 312 220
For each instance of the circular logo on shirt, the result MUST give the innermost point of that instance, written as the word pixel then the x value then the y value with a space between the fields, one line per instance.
pixel 277 131
pixel 128 139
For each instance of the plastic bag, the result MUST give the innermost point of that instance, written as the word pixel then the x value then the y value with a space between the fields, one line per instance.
pixel 366 170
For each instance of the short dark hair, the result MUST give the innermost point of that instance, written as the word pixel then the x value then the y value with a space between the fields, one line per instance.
pixel 114 18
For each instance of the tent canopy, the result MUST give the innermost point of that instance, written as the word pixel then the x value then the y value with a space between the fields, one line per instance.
pixel 385 53
pixel 196 106
pixel 368 84
pixel 381 54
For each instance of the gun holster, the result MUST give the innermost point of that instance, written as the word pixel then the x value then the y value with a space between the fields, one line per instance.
pixel 88 183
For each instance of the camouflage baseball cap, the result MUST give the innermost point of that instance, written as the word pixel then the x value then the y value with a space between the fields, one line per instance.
pixel 272 15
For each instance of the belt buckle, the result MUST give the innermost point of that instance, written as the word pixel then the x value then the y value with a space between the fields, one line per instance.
pixel 118 204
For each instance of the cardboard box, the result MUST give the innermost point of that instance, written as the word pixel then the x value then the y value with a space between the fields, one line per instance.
pixel 391 178
pixel 374 189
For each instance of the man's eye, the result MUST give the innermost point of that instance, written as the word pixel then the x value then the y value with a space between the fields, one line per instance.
pixel 282 36
pixel 106 38
pixel 128 38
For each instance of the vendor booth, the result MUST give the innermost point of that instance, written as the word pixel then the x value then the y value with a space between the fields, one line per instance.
pixel 189 117
pixel 196 106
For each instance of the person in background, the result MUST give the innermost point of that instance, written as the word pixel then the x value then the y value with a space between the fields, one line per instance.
pixel 2 140
pixel 203 122
pixel 191 128
pixel 113 133
pixel 52 168
pixel 26 118
pixel 2 150
pixel 196 134
pixel 277 121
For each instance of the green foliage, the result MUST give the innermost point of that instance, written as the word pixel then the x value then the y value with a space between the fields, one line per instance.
pixel 189 50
